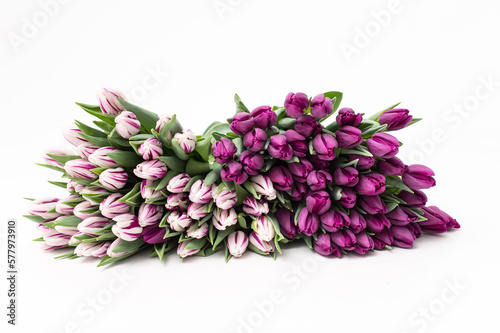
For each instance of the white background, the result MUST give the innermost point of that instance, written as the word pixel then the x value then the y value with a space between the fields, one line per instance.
pixel 433 56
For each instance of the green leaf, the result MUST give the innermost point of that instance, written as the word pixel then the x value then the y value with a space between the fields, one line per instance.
pixel 308 241
pixel 211 233
pixel 95 110
pixel 203 148
pixel 60 184
pixel 359 150
pixel 250 189
pixel 62 159
pixel 301 206
pixel 214 175
pixel 103 125
pixel 164 182
pixel 242 221
pixel 414 121
pixel 125 246
pixel 116 140
pixel 136 190
pixel 191 182
pixel 227 254
pixel 222 234
pixel 194 167
pixel 173 163
pixel 147 118
pixel 336 97
pixel 276 226
pixel 90 130
pixel 178 151
pixel 252 248
pixel 286 123
pixel 240 107
pixel 48 166
pixel 70 221
pixel 216 126
pixel 241 194
pixel 125 159
pixel 169 130
pixel 73 202
pixel 96 140
pixel 35 218
pixel 376 115
pixel 196 244
pixel 396 182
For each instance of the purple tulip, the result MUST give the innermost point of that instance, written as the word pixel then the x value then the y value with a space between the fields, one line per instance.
pixel 224 199
pixel 178 183
pixel 371 184
pixel 364 243
pixel 321 106
pixel 42 206
pixel 224 218
pixel 347 197
pixel 108 100
pixel 318 163
pixel 110 207
pixel 200 192
pixel 113 179
pixel 300 170
pixel 100 157
pixel 196 211
pixel 255 140
pixel 74 136
pixel 55 240
pixel 237 243
pixel 177 201
pixel 279 148
pixel 297 142
pixel 84 150
pixel 242 123
pixel 147 192
pixel 281 178
pixel 383 145
pixel 347 116
pixel 186 139
pixel 223 150
pixel 151 149
pixel 344 238
pixel 395 119
pixel 261 244
pixel 82 209
pixel 127 124
pixel 163 119
pixel 153 234
pixel 391 167
pixel 418 177
pixel 286 222
pixel 450 221
pixel 179 221
pixel 96 250
pixel 318 179
pixel 263 226
pixel 372 204
pixel 416 199
pixel 251 162
pixel 264 186
pixel 436 222
pixel 307 126
pixel 377 222
pixel 295 104
pixel 264 117
pixel 183 252
pixel 324 245
pixel 403 237
pixel 255 207
pixel 92 225
pixel 401 217
pixel 364 162
pixel 324 146
pixel 127 227
pixel 382 239
pixel 81 168
pixel 348 136
pixel 334 219
pixel 347 176
pixel 149 214
pixel 358 222
pixel 199 232
pixel 308 223
pixel 154 169
pixel 298 191
pixel 318 202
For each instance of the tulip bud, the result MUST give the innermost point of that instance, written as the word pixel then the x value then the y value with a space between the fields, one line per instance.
pixel 253 207
pixel 187 140
pixel 318 163
pixel 450 221
pixel 364 162
pixel 199 232
pixel 324 145
pixel 64 229
pixel 344 238
pixel 261 244
pixel 279 148
pixel 358 222
pixel 223 150
pixel 295 104
pixel 403 237
pixel 264 227
pixel 382 239
pixel 200 193
pixel 100 251
pixel 436 222
pixel 127 124
pixel 100 157
pixel 224 199
pixel 391 166
pixel 281 177
pixel 55 240
pixel 347 116
pixel 297 142
pixel 383 145
pixel 324 245
pixel 298 191
pixel 183 252
pixel 84 206
pixel 233 171
pixel 86 149
pixel 127 227
pixel 242 123
pixel 196 211
pixel 418 177
pixel 251 162
pixel 179 221
pixel 154 169
pixel 224 218
pixel 286 222
pixel 85 249
pixel 307 126
pixel 333 220
pixel 364 243
pixel 300 170
pixel 264 186
pixel 347 176
pixel 92 225
pixel 74 187
pixel 416 199
pixel 237 243
pixel 348 137
pixel 56 151
pixel 321 106
pixel 371 184
pixel 264 117
pixel 149 214
pixel 63 208
pixel 415 229
pixel 177 201
pixel 347 197
pixel 108 100
pixel 318 179
pixel 178 183
pixel 80 168
pixel 308 223
pixel 395 119
pixel 372 204
pixel 147 192
pixel 377 222
pixel 111 207
pixel 401 217
pixel 163 119
pixel 74 136
pixel 150 149
pixel 113 179
pixel 111 253
pixel 255 140
pixel 89 192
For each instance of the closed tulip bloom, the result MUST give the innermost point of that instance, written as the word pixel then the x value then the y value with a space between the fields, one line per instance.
pixel 233 171
pixel 242 123
pixel 436 222
pixel 108 100
pixel 372 204
pixel 298 191
pixel 151 149
pixel 264 227
pixel 308 223
pixel 348 136
pixel 364 162
pixel 224 218
pixel 237 243
pixel 298 143
pixel 318 163
pixel 224 199
pixel 416 199
pixel 261 244
pixel 279 148
pixel 81 209
pixel 74 187
pixel 347 116
pixel 382 238
pixel 200 192
pixel 347 176
pixel 85 249
pixel 179 221
pixel 264 186
pixel 375 223
pixel 295 104
pixel 286 222
pixel 318 179
pixel 415 229
pixel 321 106
pixel 163 119
pixel 418 177
pixel 41 207
pixel 92 225
pixel 56 151
pixel 347 197
pixel 364 243
pixel 264 117
pixel 177 201
pixel 178 183
pixel 113 179
pixel 152 170
pixel 281 178
pixel 300 170
pixel 196 211
pixel 345 239
pixel 74 136
pixel 183 252
pixel 199 232
pixel 100 252
pixel 395 119
pixel 403 237
pixel 187 140
pixel 391 167
pixel 147 192
pixel 100 157
pixel 251 162
pixel 112 207
pixel 450 221
pixel 401 217
pixel 255 207
pixel 324 245
pixel 307 126
pixel 55 240
pixel 81 168
pixel 358 222
pixel 90 192
pixel 383 145
pixel 149 214
pixel 333 220
pixel 255 140
pixel 153 234
pixel 63 208
pixel 127 227
pixel 223 150
pixel 127 124
pixel 324 145
pixel 86 149
pixel 371 184
pixel 113 253
pixel 65 230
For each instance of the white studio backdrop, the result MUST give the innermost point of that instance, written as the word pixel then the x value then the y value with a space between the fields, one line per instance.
pixel 439 58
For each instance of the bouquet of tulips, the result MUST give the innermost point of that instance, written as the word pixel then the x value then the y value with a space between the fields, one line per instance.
pixel 263 179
